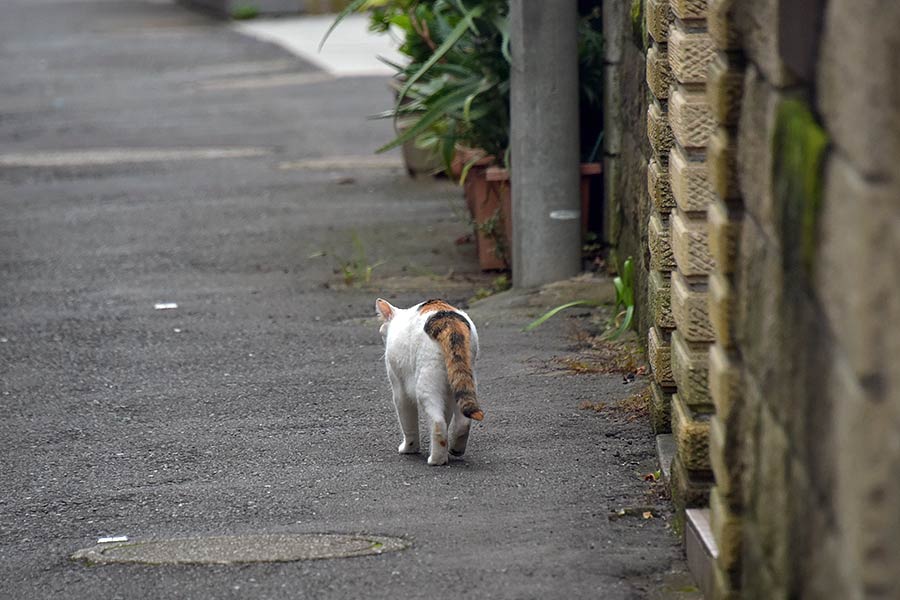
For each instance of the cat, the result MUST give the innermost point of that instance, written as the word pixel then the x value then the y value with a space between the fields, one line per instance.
pixel 430 352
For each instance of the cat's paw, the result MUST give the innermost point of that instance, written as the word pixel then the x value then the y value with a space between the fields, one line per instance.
pixel 435 461
pixel 408 448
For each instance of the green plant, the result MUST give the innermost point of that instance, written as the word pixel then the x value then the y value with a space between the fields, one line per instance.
pixel 356 268
pixel 556 310
pixel 621 322
pixel 244 12
pixel 624 284
pixel 501 283
pixel 455 89
pixel 459 96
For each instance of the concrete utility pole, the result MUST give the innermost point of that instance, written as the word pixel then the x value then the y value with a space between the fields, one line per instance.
pixel 546 206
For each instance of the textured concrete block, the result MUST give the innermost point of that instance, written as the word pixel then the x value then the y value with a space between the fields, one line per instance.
pixel 690 52
pixel 659 187
pixel 691 186
pixel 691 372
pixel 748 434
pixel 690 307
pixel 816 548
pixel 659 16
pixel 726 529
pixel 722 163
pixel 721 26
pixel 867 489
pixel 858 82
pixel 857 273
pixel 723 223
pixel 757 24
pixel 660 408
pixel 659 75
pixel 659 241
pixel 771 489
pixel 691 436
pixel 690 489
pixel 690 245
pixel 724 384
pixel 725 456
pixel 760 297
pixel 690 118
pixel 723 586
pixel 722 309
pixel 689 9
pixel 754 147
pixel 659 352
pixel 661 299
pixel 659 132
pixel 724 90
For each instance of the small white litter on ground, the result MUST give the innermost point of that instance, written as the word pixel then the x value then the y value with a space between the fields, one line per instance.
pixel 112 539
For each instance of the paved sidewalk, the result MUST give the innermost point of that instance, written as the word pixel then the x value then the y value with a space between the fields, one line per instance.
pixel 151 156
pixel 349 51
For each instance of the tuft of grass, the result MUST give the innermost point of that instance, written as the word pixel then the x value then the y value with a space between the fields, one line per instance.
pixel 354 269
pixel 501 283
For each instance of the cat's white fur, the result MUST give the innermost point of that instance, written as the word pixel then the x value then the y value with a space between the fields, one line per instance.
pixel 418 375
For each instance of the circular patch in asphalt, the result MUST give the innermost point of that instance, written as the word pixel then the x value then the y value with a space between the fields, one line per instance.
pixel 229 549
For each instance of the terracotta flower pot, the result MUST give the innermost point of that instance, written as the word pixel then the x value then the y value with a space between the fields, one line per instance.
pixel 492 194
pixel 489 206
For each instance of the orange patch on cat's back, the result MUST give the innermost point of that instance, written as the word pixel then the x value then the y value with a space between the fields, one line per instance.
pixel 434 305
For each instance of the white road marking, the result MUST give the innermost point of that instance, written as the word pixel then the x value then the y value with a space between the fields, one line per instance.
pixel 283 79
pixel 344 162
pixel 112 156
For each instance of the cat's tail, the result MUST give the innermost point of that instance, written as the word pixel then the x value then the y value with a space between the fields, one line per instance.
pixel 451 330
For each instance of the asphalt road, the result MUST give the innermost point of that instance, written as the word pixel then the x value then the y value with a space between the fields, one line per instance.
pixel 150 155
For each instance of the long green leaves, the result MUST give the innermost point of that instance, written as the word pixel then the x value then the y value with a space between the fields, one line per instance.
pixel 624 284
pixel 553 311
pixel 443 49
pixel 455 89
pixel 353 7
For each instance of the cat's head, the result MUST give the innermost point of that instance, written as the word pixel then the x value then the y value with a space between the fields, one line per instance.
pixel 385 312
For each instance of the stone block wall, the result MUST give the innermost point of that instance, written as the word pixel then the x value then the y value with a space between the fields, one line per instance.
pixel 658 19
pixel 626 147
pixel 751 172
pixel 688 332
pixel 804 298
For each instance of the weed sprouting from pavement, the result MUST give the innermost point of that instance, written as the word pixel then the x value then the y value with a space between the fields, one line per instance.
pixel 355 269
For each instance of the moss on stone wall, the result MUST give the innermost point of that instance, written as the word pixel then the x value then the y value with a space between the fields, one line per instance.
pixel 799 146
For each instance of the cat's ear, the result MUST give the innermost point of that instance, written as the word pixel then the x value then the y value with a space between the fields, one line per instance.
pixel 384 309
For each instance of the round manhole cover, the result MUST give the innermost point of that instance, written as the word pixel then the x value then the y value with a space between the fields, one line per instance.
pixel 240 549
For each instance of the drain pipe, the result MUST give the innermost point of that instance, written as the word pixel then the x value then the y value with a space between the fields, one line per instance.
pixel 544 142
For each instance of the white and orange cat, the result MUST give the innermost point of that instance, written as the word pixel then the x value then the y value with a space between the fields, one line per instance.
pixel 430 352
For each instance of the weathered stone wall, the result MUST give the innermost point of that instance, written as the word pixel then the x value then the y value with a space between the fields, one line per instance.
pixel 625 143
pixel 804 300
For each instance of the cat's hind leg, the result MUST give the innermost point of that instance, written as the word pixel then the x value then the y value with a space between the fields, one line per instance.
pixel 459 432
pixel 407 415
pixel 432 402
